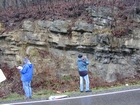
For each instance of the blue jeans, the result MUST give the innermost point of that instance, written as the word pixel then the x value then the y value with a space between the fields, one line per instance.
pixel 82 78
pixel 27 89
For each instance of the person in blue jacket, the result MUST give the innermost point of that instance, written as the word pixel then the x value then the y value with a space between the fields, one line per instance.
pixel 82 63
pixel 26 77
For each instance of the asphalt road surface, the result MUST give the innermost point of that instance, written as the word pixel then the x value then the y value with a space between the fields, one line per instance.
pixel 125 97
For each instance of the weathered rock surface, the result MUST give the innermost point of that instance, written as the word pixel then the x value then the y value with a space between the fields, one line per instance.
pixel 49 46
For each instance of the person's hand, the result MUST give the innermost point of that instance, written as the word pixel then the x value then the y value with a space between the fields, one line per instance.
pixel 84 57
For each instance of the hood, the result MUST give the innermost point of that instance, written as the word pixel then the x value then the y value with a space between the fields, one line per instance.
pixel 26 60
pixel 30 65
pixel 80 59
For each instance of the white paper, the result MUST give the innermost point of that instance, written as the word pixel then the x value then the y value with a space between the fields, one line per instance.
pixel 57 97
pixel 19 67
pixel 2 76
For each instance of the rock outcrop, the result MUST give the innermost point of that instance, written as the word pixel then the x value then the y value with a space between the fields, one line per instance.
pixel 54 45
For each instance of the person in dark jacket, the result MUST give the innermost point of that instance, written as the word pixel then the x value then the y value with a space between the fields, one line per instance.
pixel 82 63
pixel 26 77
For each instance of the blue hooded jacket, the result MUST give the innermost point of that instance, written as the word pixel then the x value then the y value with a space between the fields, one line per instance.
pixel 27 71
pixel 82 64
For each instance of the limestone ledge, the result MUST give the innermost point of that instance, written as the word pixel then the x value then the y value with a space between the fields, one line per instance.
pixel 39 39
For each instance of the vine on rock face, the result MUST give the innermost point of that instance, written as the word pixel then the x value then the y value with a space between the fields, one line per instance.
pixel 65 9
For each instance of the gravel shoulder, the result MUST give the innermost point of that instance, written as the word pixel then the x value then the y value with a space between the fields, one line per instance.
pixel 105 90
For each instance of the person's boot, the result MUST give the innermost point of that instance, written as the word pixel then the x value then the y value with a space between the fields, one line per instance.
pixel 88 91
